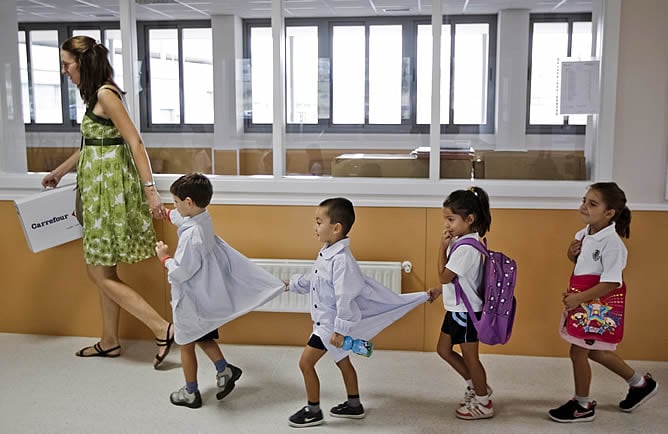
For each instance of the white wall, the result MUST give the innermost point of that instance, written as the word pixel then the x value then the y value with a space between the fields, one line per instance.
pixel 641 133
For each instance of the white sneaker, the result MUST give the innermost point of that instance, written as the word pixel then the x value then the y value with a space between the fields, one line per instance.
pixel 475 410
pixel 469 394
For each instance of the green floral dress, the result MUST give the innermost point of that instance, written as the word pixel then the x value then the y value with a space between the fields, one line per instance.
pixel 117 220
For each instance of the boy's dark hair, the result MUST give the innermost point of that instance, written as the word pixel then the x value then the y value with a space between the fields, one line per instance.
pixel 615 199
pixel 472 201
pixel 94 66
pixel 195 186
pixel 340 210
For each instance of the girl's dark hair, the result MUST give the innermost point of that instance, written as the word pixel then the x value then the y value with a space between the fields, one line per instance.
pixel 94 67
pixel 195 186
pixel 340 210
pixel 472 201
pixel 615 199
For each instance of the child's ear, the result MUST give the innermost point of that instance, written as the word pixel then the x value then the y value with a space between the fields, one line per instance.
pixel 609 214
pixel 470 219
pixel 338 227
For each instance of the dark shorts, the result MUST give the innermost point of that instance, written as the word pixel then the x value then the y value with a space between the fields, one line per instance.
pixel 211 336
pixel 460 327
pixel 315 342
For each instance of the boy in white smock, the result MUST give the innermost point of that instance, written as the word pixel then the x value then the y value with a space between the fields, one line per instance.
pixel 344 302
pixel 206 293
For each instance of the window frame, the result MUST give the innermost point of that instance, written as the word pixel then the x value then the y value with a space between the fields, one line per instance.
pixel 147 125
pixel 409 50
pixel 564 128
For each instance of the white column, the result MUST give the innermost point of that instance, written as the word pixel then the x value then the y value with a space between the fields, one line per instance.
pixel 130 58
pixel 512 70
pixel 278 130
pixel 12 130
pixel 435 129
pixel 607 16
pixel 227 73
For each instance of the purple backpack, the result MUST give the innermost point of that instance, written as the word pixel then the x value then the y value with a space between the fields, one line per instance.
pixel 498 287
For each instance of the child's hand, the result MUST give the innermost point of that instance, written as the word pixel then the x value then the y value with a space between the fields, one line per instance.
pixel 162 250
pixel 571 300
pixel 336 340
pixel 574 248
pixel 446 236
pixel 434 293
pixel 287 285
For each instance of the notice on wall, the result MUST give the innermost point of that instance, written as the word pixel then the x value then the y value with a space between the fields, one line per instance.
pixel 579 91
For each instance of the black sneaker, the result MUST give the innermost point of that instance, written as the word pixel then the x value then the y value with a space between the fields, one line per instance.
pixel 226 380
pixel 638 395
pixel 305 418
pixel 572 411
pixel 346 410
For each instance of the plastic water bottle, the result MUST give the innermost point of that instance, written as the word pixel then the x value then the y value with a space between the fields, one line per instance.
pixel 358 346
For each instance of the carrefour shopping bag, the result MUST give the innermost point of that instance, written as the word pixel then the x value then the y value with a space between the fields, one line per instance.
pixel 48 217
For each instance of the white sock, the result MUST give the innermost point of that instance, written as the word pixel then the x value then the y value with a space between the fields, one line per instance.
pixel 583 401
pixel 484 399
pixel 637 380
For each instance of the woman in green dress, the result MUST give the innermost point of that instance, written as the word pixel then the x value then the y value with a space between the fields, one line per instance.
pixel 118 196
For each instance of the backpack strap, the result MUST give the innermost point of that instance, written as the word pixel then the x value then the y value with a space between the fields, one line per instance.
pixel 459 291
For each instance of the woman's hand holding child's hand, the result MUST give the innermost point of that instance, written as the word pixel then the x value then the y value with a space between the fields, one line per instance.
pixel 162 250
pixel 336 340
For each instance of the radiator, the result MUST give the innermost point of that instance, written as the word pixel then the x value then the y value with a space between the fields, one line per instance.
pixel 387 273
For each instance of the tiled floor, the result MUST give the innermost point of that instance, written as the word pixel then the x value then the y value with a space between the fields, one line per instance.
pixel 45 389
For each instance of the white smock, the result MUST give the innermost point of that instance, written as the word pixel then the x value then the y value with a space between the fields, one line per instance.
pixel 212 283
pixel 345 301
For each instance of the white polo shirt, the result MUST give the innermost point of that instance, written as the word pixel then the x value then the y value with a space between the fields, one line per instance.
pixel 602 254
pixel 466 263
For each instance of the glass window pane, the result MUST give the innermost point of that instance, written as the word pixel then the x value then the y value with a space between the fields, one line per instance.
pixel 23 66
pixel 550 42
pixel 348 74
pixel 385 68
pixel 197 76
pixel 471 66
pixel 262 61
pixel 580 47
pixel 45 69
pixel 112 40
pixel 164 77
pixel 301 75
pixel 424 55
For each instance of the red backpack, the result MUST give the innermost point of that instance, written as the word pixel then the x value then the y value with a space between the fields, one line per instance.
pixel 498 293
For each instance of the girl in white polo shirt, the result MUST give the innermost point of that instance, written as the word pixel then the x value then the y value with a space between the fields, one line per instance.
pixel 465 214
pixel 600 257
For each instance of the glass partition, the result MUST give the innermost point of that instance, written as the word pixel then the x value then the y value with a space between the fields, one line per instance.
pixel 356 97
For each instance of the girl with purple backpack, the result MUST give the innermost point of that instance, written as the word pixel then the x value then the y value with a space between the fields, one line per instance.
pixel 594 303
pixel 466 214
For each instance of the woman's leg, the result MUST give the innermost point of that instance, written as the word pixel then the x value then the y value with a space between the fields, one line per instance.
pixel 115 294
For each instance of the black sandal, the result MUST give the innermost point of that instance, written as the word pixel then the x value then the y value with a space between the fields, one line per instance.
pixel 167 343
pixel 99 352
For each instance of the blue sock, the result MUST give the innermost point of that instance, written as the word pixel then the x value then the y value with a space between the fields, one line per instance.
pixel 191 387
pixel 220 364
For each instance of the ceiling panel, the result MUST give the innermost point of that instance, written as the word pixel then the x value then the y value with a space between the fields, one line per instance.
pixel 151 10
